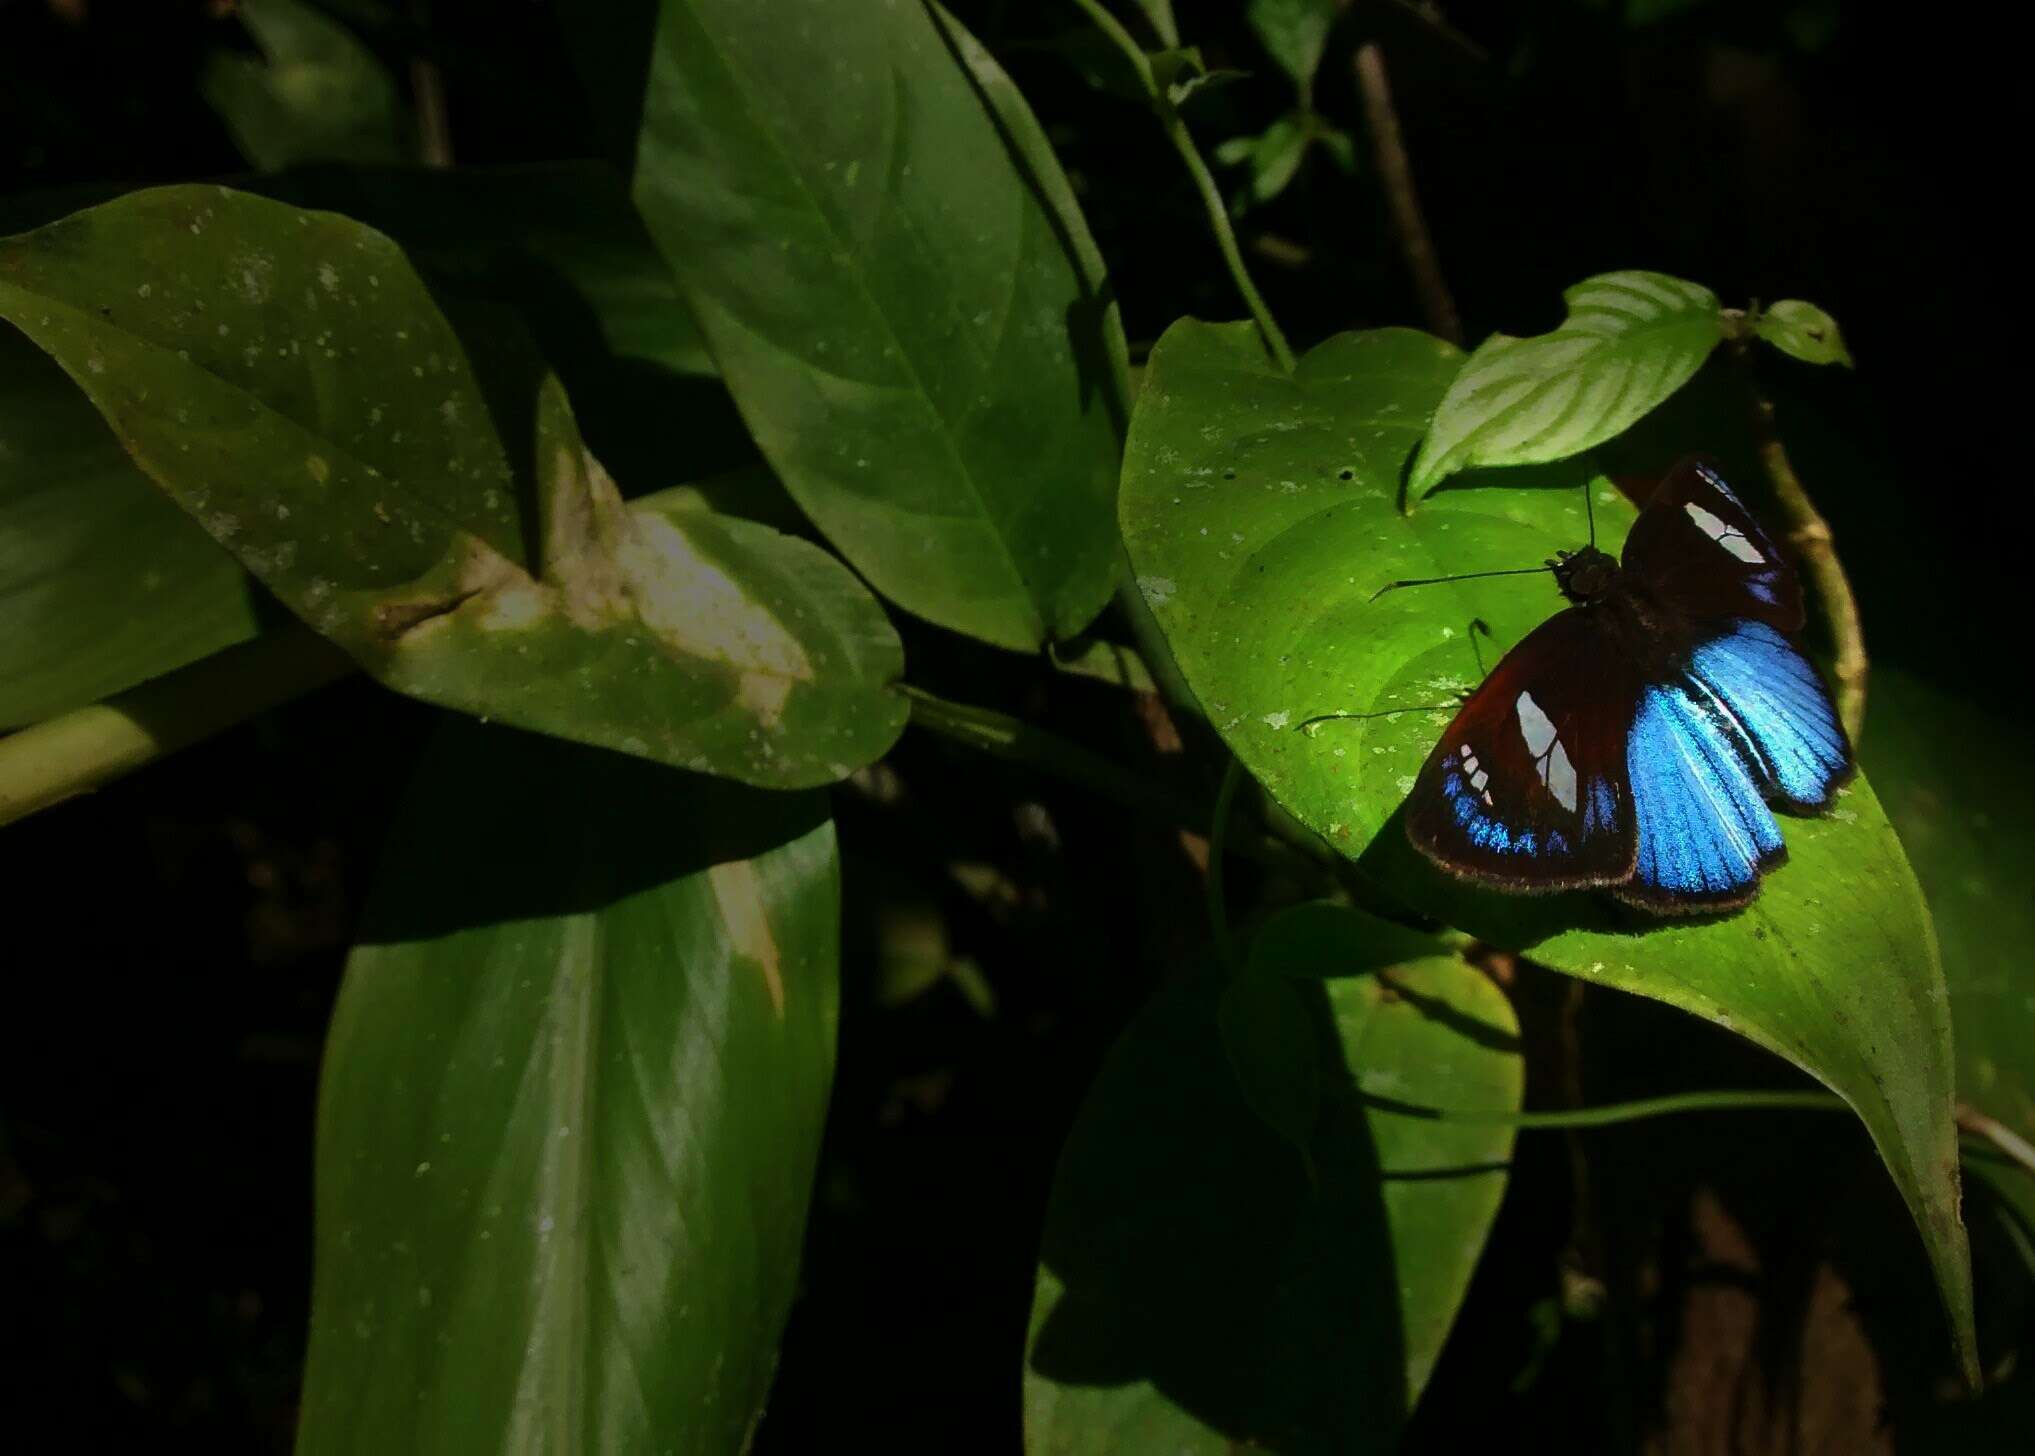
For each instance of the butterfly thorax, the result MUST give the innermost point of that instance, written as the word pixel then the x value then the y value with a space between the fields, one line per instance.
pixel 1586 575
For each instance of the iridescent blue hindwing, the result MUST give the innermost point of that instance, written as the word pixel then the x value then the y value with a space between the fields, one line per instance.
pixel 1779 703
pixel 1704 833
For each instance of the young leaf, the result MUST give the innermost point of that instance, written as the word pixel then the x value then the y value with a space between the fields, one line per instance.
pixel 893 303
pixel 104 583
pixel 1630 341
pixel 285 377
pixel 1295 32
pixel 1260 514
pixel 318 94
pixel 571 1109
pixel 1803 331
pixel 1275 161
pixel 1197 1291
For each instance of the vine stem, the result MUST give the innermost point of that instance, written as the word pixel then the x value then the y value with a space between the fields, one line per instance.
pixel 77 752
pixel 1810 535
pixel 1610 1113
pixel 1971 1120
pixel 1395 171
pixel 1204 181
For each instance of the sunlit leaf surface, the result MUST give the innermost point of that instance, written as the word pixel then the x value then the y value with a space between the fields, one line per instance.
pixel 1630 340
pixel 1259 510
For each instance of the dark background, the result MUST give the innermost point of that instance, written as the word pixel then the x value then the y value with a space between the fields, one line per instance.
pixel 173 944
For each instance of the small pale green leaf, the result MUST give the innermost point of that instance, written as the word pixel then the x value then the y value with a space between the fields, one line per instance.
pixel 571 1109
pixel 103 581
pixel 1294 32
pixel 319 95
pixel 1630 340
pixel 1275 161
pixel 285 377
pixel 1196 1292
pixel 1235 151
pixel 893 302
pixel 1802 331
pixel 1260 514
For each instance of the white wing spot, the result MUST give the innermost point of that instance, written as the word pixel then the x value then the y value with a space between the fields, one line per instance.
pixel 1550 758
pixel 1730 539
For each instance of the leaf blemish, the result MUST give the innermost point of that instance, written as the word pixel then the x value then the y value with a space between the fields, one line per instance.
pixel 739 894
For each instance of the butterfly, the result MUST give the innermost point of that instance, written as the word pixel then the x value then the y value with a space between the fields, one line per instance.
pixel 1635 740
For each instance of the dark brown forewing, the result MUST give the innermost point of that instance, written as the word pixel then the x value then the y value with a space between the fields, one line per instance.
pixel 1697 547
pixel 1527 788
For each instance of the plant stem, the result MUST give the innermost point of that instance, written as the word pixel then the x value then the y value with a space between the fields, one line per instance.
pixel 1610 1113
pixel 1971 1120
pixel 427 94
pixel 1002 736
pixel 1204 182
pixel 82 750
pixel 1810 535
pixel 1395 172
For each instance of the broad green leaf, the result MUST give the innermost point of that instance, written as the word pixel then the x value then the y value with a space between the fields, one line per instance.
pixel 1196 1292
pixel 892 302
pixel 1966 826
pixel 318 94
pixel 1259 510
pixel 571 1109
pixel 103 581
pixel 1295 32
pixel 1803 331
pixel 1630 341
pixel 285 377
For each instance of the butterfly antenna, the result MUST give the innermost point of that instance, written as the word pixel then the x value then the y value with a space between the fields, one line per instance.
pixel 1460 576
pixel 1590 515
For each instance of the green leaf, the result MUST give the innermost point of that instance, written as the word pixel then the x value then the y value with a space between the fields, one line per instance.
pixel 1266 1033
pixel 1160 14
pixel 1802 331
pixel 1195 1292
pixel 1295 32
pixel 571 1109
pixel 285 377
pixel 893 302
pixel 1965 825
pixel 1259 513
pixel 103 582
pixel 1276 159
pixel 1630 340
pixel 318 96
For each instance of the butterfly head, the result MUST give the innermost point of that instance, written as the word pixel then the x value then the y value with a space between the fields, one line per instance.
pixel 1584 575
